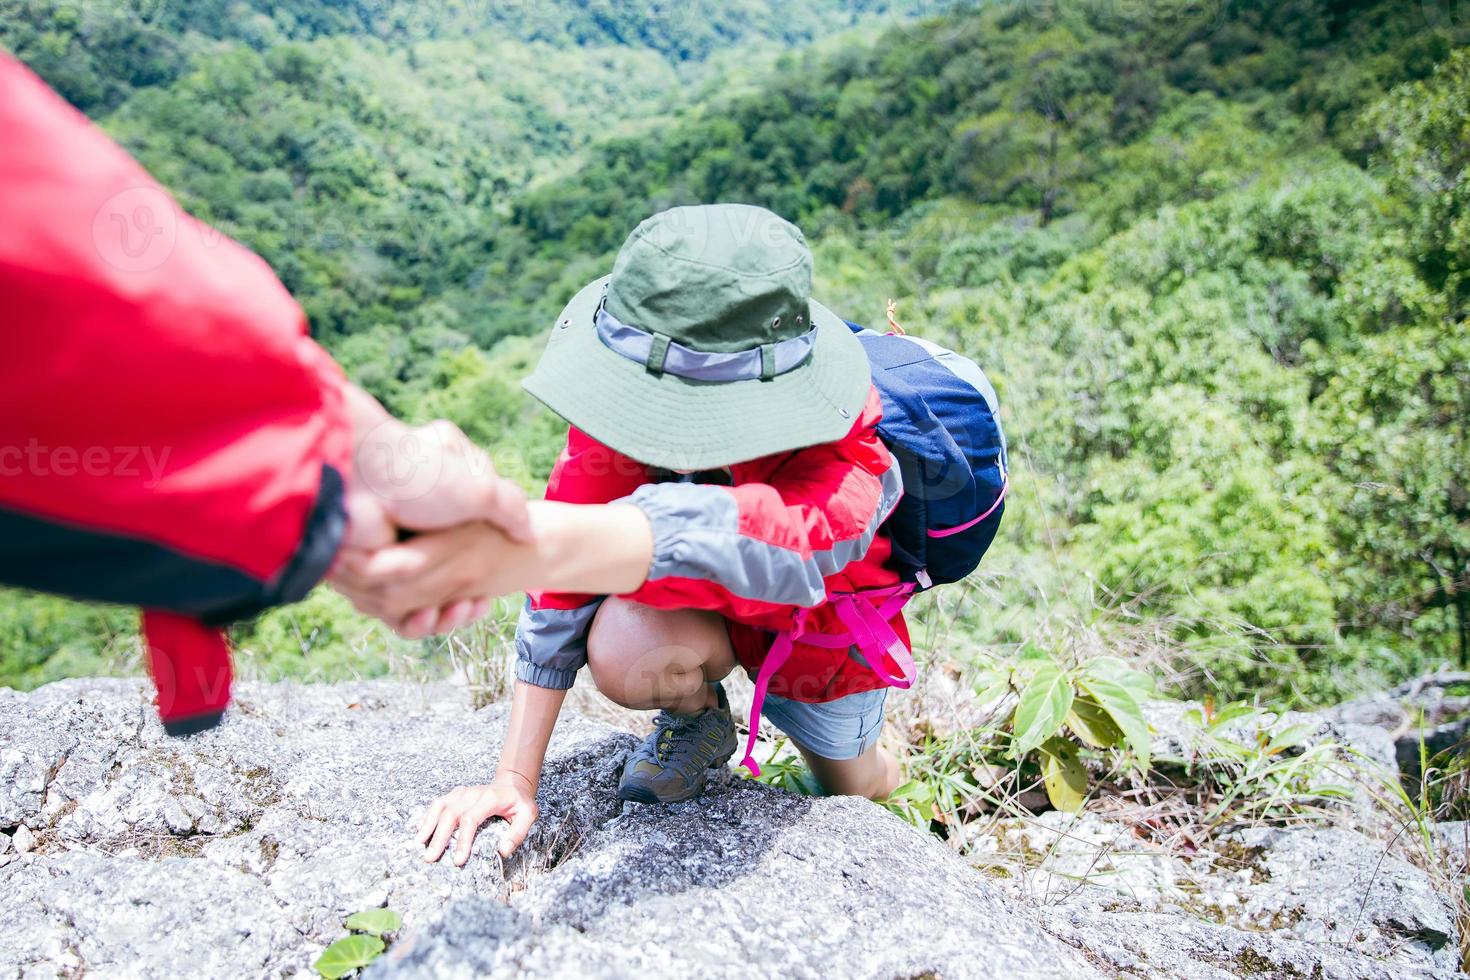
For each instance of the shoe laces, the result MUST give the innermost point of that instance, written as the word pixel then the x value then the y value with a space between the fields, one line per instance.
pixel 671 731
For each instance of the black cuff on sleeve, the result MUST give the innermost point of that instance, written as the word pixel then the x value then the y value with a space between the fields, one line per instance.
pixel 86 563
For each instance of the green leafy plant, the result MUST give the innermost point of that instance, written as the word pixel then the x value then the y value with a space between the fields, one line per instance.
pixel 788 772
pixel 914 800
pixel 939 786
pixel 942 791
pixel 1055 712
pixel 1249 768
pixel 375 922
pixel 365 944
pixel 349 955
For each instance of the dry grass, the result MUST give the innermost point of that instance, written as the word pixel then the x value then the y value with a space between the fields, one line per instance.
pixel 482 657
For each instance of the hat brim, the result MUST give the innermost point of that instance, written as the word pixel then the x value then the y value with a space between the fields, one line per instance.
pixel 680 424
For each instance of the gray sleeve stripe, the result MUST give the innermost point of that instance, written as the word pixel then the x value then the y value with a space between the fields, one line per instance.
pixel 696 531
pixel 552 642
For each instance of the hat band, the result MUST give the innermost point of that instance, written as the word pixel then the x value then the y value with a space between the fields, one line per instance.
pixel 665 356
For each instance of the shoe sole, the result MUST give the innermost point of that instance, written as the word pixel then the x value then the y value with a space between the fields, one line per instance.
pixel 639 793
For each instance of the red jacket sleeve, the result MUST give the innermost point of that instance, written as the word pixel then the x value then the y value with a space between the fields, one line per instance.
pixel 169 436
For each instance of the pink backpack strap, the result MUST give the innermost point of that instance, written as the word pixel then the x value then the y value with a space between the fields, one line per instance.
pixel 868 629
pixel 779 653
pixel 875 638
pixel 1005 485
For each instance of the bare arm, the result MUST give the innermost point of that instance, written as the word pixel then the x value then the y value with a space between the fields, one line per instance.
pixel 533 713
pixel 597 549
pixel 601 549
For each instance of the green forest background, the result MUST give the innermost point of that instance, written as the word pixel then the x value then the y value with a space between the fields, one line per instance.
pixel 1213 255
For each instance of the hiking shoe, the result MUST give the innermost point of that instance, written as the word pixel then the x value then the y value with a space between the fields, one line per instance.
pixel 673 763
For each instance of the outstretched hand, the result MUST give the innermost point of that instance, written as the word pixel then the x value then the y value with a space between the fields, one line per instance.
pixel 432 583
pixel 432 477
pixel 422 478
pixel 419 479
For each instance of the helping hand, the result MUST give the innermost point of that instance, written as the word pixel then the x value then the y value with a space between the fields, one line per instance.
pixel 422 478
pixel 431 583
pixel 431 477
pixel 464 810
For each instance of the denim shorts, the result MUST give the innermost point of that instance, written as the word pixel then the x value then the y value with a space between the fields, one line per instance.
pixel 841 729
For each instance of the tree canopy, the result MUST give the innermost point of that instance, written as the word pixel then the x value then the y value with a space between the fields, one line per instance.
pixel 1214 257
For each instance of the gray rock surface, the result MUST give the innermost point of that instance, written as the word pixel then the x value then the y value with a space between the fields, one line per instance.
pixel 1430 714
pixel 1453 840
pixel 1142 944
pixel 238 852
pixel 1363 744
pixel 1285 902
pixel 1336 886
pixel 1307 901
pixel 1351 752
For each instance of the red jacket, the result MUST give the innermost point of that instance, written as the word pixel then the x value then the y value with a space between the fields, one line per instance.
pixel 169 436
pixel 789 532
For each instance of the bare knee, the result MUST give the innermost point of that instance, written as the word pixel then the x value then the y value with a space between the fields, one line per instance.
pixel 616 642
pixel 642 657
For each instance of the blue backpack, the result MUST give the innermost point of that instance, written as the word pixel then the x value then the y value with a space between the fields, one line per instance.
pixel 939 421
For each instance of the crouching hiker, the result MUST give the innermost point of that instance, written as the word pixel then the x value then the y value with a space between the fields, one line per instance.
pixel 748 508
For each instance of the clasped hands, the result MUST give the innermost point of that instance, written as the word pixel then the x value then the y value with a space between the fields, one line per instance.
pixel 427 517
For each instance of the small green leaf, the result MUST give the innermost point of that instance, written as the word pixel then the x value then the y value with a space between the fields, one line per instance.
pixel 1063 774
pixel 1117 671
pixel 801 782
pixel 992 684
pixel 1032 655
pixel 1231 713
pixel 1122 706
pixel 346 955
pixel 1043 707
pixel 1288 737
pixel 913 798
pixel 915 791
pixel 374 921
pixel 1094 725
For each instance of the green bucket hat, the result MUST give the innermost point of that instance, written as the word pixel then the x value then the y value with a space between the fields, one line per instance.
pixel 704 347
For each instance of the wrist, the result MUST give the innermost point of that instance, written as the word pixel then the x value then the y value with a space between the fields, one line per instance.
pixel 517 780
pixel 365 413
pixel 481 500
pixel 551 543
